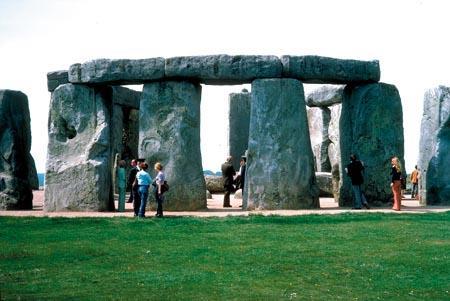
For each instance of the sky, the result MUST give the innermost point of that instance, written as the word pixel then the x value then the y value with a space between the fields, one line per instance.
pixel 409 38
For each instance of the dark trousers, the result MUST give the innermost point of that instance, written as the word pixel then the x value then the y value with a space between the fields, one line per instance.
pixel 226 199
pixel 414 190
pixel 159 200
pixel 136 199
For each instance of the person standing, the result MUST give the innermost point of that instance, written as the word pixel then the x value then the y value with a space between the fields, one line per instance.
pixel 131 177
pixel 415 182
pixel 242 168
pixel 396 183
pixel 121 184
pixel 355 171
pixel 143 181
pixel 159 192
pixel 228 173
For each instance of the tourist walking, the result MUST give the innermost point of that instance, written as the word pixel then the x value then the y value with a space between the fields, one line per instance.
pixel 121 185
pixel 228 173
pixel 396 174
pixel 143 181
pixel 159 188
pixel 131 177
pixel 355 171
pixel 415 181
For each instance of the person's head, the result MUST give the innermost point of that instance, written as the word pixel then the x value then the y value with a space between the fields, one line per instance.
pixel 158 166
pixel 415 167
pixel 353 157
pixel 144 166
pixel 396 163
pixel 122 163
pixel 229 159
pixel 243 160
pixel 133 163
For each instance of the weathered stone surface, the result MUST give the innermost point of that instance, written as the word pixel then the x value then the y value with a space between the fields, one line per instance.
pixel 325 184
pixel 223 69
pixel 325 96
pixel 126 97
pixel 32 172
pixel 434 152
pixel 239 122
pixel 280 168
pixel 214 184
pixel 208 195
pixel 334 150
pixel 318 122
pixel 326 70
pixel 56 78
pixel 170 133
pixel 16 163
pixel 118 72
pixel 374 134
pixel 79 160
pixel 238 194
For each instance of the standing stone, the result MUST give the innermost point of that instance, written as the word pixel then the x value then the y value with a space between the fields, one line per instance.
pixel 57 78
pixel 325 70
pixel 170 133
pixel 280 168
pixel 371 127
pixel 239 122
pixel 334 150
pixel 434 154
pixel 318 122
pixel 79 159
pixel 16 164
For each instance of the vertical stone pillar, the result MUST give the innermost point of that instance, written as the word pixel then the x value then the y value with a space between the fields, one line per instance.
pixel 239 121
pixel 280 168
pixel 170 133
pixel 371 127
pixel 434 151
pixel 79 159
pixel 17 169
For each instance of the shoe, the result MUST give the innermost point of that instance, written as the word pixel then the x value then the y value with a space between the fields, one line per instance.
pixel 227 206
pixel 356 208
pixel 366 205
pixel 129 201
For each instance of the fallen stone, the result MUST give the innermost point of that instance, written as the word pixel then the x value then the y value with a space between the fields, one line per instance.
pixel 434 149
pixel 325 184
pixel 57 78
pixel 117 72
pixel 326 70
pixel 16 163
pixel 214 184
pixel 223 69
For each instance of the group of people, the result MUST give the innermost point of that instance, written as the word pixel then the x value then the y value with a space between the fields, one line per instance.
pixel 139 182
pixel 231 181
pixel 355 170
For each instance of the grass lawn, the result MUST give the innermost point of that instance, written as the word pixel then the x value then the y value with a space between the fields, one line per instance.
pixel 338 257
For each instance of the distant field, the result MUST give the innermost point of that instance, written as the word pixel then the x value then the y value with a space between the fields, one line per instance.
pixel 331 257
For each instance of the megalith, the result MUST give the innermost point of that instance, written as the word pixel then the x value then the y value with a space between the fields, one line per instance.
pixel 318 120
pixel 280 168
pixel 16 163
pixel 170 133
pixel 239 122
pixel 371 126
pixel 434 150
pixel 79 158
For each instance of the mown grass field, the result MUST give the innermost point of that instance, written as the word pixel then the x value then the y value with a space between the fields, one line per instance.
pixel 341 257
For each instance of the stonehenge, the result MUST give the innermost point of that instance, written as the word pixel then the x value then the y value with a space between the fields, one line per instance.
pixel 17 169
pixel 434 148
pixel 87 113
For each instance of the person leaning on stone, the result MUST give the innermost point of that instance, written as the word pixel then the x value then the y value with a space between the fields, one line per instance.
pixel 228 173
pixel 355 171
pixel 240 179
pixel 121 185
pixel 415 182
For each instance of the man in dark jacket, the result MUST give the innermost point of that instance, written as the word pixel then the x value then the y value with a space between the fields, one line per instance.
pixel 355 171
pixel 228 173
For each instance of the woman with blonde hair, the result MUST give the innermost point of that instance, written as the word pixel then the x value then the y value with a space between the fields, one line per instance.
pixel 159 181
pixel 396 173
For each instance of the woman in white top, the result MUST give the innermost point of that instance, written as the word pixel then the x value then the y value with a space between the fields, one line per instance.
pixel 160 178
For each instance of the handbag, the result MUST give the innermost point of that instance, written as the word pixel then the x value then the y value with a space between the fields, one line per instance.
pixel 164 187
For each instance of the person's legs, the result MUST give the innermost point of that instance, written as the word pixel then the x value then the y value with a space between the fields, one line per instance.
pixel 414 190
pixel 136 200
pixel 143 193
pixel 396 189
pixel 121 200
pixel 159 201
pixel 226 198
pixel 363 199
pixel 357 196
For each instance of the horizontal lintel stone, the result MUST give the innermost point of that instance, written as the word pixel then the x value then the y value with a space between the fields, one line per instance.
pixel 325 70
pixel 56 78
pixel 325 96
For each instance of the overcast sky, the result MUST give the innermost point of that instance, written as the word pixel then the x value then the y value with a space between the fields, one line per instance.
pixel 409 38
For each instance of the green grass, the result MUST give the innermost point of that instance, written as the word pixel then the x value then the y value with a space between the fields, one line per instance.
pixel 342 257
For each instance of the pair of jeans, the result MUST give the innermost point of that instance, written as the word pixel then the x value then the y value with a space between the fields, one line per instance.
pixel 136 199
pixel 143 194
pixel 159 200
pixel 414 190
pixel 360 199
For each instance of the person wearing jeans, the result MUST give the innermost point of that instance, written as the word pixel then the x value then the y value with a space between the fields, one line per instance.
pixel 355 172
pixel 143 181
